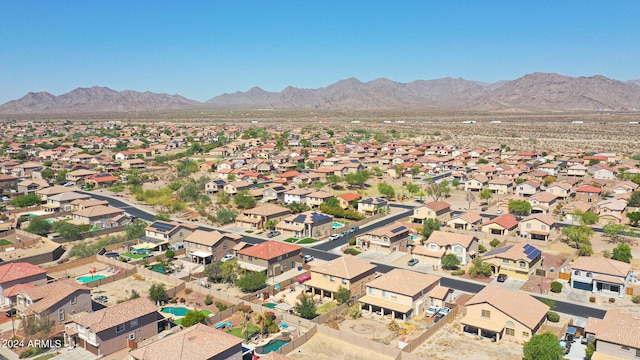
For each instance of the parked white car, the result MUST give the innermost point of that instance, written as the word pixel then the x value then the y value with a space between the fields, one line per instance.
pixel 432 310
pixel 227 257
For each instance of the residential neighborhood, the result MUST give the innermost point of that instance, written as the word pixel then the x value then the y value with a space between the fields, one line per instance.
pixel 135 241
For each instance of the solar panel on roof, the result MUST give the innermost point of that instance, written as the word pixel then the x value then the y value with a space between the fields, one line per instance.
pixel 531 251
pixel 315 217
pixel 499 250
pixel 398 229
pixel 300 218
pixel 162 227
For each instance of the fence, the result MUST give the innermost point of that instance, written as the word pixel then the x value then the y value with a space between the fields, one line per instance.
pixel 23 210
pixel 298 341
pixel 270 289
pixel 71 264
pixel 416 342
pixel 329 315
pixel 356 340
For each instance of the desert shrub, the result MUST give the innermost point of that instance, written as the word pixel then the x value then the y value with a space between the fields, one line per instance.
pixel 635 299
pixel 245 309
pixel 592 299
pixel 553 316
pixel 458 272
pixel 556 287
pixel 612 300
pixel 352 242
pixel 221 306
pixel 494 243
pixel 482 249
pixel 208 300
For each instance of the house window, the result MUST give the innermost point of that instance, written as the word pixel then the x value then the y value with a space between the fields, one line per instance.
pixel 433 246
pixel 119 328
pixel 589 274
pixel 624 348
pixel 224 246
pixel 637 352
pixel 505 261
pixel 543 227
pixel 332 278
pixel 525 334
pixel 74 300
pixel 486 313
pixel 576 272
pixel 528 225
pixel 324 275
pixel 384 293
pixel 209 248
pixel 509 332
pixel 371 291
pixel 61 314
pixel 344 281
pixel 133 323
pixel 197 246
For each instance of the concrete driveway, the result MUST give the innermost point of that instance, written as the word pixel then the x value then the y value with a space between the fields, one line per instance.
pixel 510 283
pixel 577 351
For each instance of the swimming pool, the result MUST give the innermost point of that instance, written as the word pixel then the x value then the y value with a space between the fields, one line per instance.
pixel 273 345
pixel 337 225
pixel 86 279
pixel 270 305
pixel 177 311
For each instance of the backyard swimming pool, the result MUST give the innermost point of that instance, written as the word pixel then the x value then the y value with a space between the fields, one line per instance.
pixel 177 311
pixel 273 345
pixel 86 279
pixel 270 305
pixel 337 225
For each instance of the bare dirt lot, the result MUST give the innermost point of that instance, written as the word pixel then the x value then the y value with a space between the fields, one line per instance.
pixel 323 347
pixel 451 343
pixel 122 289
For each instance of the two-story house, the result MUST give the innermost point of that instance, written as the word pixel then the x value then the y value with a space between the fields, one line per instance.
pixel 518 261
pixel 346 271
pixel 270 257
pixel 476 183
pixel 615 335
pixel 347 199
pixel 542 202
pixel 537 226
pixel 274 193
pixel 527 188
pixel 610 211
pixel 588 193
pixel 578 170
pixel 17 276
pixel 371 206
pixel 206 247
pixel 214 186
pixel 500 185
pixel 400 292
pixel 108 330
pixel 307 224
pixel 56 301
pixel 317 198
pixel 62 201
pixel 386 238
pixel 499 313
pixel 234 187
pixel 296 196
pixel 100 216
pixel 440 243
pixel 440 210
pixel 257 217
pixel 197 342
pixel 162 233
pixel 560 189
pixel 600 275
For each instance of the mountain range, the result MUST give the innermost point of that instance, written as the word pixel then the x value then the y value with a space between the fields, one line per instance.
pixel 532 92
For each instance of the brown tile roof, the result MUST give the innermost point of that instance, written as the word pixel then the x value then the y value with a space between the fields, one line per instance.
pixel 211 238
pixel 470 217
pixel 269 250
pixel 387 230
pixel 519 306
pixel 19 270
pixel 118 314
pixel 345 267
pixel 267 210
pixel 405 282
pixel 589 189
pixel 544 218
pixel 439 292
pixel 15 289
pixel 99 210
pixel 52 293
pixel 617 326
pixel 512 252
pixel 350 196
pixel 438 205
pixel 602 265
pixel 444 238
pixel 198 342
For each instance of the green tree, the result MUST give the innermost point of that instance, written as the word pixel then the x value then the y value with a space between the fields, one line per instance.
pixel 174 185
pixel 231 270
pixel 429 226
pixel 622 252
pixel 634 199
pixel 61 177
pixel 169 254
pixel 226 216
pixel 634 217
pixel 223 197
pixel 332 202
pixel 306 308
pixel 494 243
pixel 618 233
pixel 412 188
pixel 213 272
pixel 193 317
pixel 591 348
pixel 358 179
pixel 189 192
pixel 519 207
pixel 22 201
pixel 252 281
pixel 542 347
pixel 438 190
pixel 39 227
pixel 318 185
pixel 244 200
pixel 386 190
pixel 548 180
pixel 579 235
pixel 588 218
pixel 450 262
pixel 162 217
pixel 48 174
pixel 343 295
pixel 157 292
pixel 479 268
pixel 485 195
pixel 66 229
pixel 334 180
pixel 270 224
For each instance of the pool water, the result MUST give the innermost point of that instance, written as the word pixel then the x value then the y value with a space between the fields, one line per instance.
pixel 270 305
pixel 86 279
pixel 177 311
pixel 158 269
pixel 273 345
pixel 336 225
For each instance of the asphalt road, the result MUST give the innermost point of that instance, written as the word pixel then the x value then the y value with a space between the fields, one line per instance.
pixel 319 253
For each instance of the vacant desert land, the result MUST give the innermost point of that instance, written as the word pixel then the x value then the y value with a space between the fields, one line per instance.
pixel 323 347
pixel 451 343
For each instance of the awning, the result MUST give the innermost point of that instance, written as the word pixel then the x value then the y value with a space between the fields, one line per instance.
pixel 252 267
pixel 323 285
pixel 481 323
pixel 609 279
pixel 536 232
pixel 51 206
pixel 385 304
pixel 200 254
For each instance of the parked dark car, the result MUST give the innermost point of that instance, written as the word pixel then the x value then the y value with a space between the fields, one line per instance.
pixel 11 312
pixel 412 261
pixel 354 229
pixel 502 277
pixel 438 317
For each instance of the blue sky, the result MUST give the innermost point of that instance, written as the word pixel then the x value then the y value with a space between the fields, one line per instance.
pixel 201 49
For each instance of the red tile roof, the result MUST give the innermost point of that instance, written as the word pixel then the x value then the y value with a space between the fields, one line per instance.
pixel 588 188
pixel 350 196
pixel 507 221
pixel 269 250
pixel 20 270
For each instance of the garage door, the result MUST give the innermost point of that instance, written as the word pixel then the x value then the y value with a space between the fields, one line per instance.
pixel 582 286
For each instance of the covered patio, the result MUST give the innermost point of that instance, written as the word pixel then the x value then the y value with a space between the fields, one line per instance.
pixel 385 307
pixel 201 257
pixel 482 328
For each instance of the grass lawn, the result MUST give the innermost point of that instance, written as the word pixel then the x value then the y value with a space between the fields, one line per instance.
pixel 237 332
pixel 249 231
pixel 133 256
pixel 5 242
pixel 307 241
pixel 326 308
pixel 291 240
pixel 352 251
